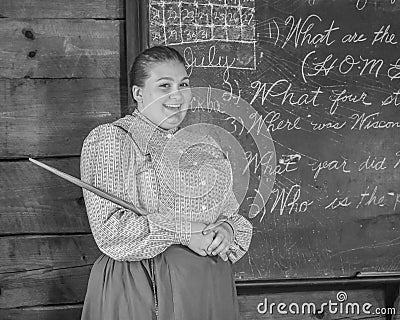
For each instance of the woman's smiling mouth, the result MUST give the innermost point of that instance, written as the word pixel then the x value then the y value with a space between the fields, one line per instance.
pixel 173 106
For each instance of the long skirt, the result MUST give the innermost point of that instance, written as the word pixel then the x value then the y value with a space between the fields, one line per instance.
pixel 178 284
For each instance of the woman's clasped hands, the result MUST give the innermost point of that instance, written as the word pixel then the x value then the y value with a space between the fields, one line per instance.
pixel 213 239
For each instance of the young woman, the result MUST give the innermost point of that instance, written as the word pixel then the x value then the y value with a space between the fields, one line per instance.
pixel 161 265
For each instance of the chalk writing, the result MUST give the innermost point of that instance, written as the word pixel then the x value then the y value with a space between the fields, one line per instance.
pixel 337 202
pixel 228 96
pixel 354 38
pixel 191 22
pixel 340 165
pixel 365 122
pixel 207 103
pixel 369 198
pixel 316 79
pixel 322 67
pixel 267 164
pixel 274 122
pixel 234 121
pixel 301 32
pixel 397 200
pixel 318 126
pixel 272 26
pixel 343 96
pixel 282 89
pixel 394 71
pixel 384 36
pixel 187 22
pixel 394 99
pixel 289 199
pixel 257 208
pixel 398 161
pixel 211 60
pixel 361 4
pixel 373 163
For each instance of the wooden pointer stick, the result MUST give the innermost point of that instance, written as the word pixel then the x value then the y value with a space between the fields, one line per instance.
pixel 89 187
pixel 99 192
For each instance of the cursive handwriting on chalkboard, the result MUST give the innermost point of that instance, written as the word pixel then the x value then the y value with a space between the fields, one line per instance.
pixel 313 78
pixel 301 32
pixel 365 122
pixel 282 88
pixel 362 4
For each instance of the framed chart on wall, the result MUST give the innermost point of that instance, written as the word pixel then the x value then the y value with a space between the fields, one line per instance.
pixel 324 79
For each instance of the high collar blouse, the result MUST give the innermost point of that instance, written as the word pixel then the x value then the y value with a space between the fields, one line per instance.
pixel 177 176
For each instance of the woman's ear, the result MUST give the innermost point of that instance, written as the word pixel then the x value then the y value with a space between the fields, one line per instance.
pixel 137 93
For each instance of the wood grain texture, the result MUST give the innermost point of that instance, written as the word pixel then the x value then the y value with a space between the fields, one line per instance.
pixel 60 48
pixel 44 117
pixel 35 201
pixel 109 9
pixel 72 312
pixel 25 253
pixel 43 287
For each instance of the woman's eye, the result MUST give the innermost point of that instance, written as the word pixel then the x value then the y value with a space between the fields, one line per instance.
pixel 184 84
pixel 164 85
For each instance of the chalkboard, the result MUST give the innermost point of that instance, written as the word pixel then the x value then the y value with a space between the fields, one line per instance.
pixel 324 78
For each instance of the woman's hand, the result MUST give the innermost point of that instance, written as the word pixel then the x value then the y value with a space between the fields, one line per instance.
pixel 223 237
pixel 199 242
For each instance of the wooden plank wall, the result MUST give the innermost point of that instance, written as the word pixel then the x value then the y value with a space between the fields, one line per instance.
pixel 60 76
pixel 62 72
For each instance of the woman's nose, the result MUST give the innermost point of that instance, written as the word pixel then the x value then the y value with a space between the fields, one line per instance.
pixel 176 94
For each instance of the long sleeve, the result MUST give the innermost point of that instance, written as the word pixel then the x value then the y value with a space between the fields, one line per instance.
pixel 242 228
pixel 107 153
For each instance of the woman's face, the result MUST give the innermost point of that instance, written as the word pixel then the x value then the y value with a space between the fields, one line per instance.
pixel 166 95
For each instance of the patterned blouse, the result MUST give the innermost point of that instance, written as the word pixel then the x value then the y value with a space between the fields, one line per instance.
pixel 177 178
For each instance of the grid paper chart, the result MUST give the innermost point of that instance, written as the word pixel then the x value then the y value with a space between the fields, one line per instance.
pixel 226 23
